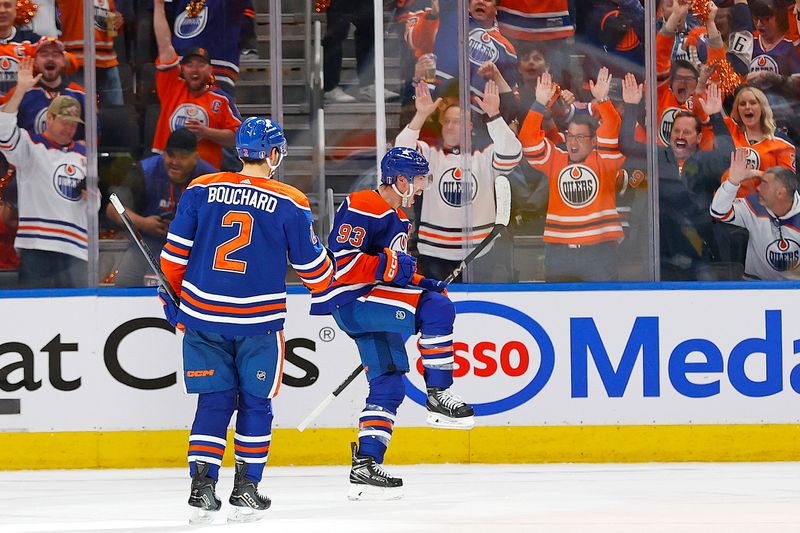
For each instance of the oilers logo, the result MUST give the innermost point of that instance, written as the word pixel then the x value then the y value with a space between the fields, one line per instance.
pixel 783 255
pixel 482 48
pixel 451 188
pixel 578 185
pixel 185 112
pixel 68 180
pixel 8 73
pixel 187 27
pixel 101 9
pixel 40 122
pixel 764 63
pixel 400 243
pixel 665 124
pixel 753 159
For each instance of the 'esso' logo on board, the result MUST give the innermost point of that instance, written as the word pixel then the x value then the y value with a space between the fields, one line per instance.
pixel 482 48
pixel 187 27
pixel 783 255
pixel 578 185
pixel 503 358
pixel 666 122
pixel 185 112
pixel 68 181
pixel 763 63
pixel 451 188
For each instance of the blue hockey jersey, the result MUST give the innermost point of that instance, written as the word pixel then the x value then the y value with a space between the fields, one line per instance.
pixel 228 250
pixel 364 225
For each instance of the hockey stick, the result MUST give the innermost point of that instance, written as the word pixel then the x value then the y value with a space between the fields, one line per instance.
pixel 502 191
pixel 137 237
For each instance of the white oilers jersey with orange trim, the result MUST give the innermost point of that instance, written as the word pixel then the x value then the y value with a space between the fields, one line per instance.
pixel 50 184
pixel 443 225
pixel 228 250
pixel 364 225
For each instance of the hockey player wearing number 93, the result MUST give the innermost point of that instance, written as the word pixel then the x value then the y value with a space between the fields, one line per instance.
pixel 226 258
pixel 377 298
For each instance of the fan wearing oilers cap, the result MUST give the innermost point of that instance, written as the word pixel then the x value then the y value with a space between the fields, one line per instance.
pixel 226 257
pixel 379 301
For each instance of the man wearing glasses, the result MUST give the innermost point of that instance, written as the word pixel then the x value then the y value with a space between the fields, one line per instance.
pixel 582 228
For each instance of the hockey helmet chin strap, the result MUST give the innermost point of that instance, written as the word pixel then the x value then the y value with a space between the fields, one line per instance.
pixel 274 154
pixel 407 196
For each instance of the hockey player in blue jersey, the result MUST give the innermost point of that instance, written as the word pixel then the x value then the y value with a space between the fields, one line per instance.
pixel 226 258
pixel 379 301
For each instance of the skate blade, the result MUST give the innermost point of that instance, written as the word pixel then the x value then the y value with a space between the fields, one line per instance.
pixel 359 492
pixel 245 514
pixel 201 517
pixel 445 422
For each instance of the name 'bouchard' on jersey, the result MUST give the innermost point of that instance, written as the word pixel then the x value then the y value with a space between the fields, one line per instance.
pixel 242 195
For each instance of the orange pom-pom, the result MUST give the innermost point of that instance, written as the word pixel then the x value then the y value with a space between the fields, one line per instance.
pixel 26 10
pixel 694 36
pixel 194 7
pixel 321 5
pixel 726 77
pixel 700 10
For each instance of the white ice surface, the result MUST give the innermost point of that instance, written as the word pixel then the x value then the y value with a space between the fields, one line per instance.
pixel 729 497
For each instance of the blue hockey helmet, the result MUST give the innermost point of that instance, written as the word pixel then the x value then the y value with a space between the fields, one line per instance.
pixel 256 138
pixel 402 162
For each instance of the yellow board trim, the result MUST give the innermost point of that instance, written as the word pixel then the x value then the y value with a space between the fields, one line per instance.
pixel 539 444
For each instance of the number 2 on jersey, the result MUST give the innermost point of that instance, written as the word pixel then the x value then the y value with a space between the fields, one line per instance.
pixel 354 235
pixel 222 260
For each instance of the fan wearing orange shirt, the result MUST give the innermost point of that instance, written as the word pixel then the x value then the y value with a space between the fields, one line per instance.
pixel 188 98
pixel 752 127
pixel 678 81
pixel 582 228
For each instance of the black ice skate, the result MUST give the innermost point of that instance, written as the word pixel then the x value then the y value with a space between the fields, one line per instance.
pixel 447 410
pixel 369 481
pixel 248 504
pixel 203 498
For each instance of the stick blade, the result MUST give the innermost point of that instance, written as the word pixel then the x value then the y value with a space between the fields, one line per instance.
pixel 502 194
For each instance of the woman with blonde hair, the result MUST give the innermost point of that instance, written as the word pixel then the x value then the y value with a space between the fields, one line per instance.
pixel 752 126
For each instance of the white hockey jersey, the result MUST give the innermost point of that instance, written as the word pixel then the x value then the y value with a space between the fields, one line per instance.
pixel 773 249
pixel 50 181
pixel 444 231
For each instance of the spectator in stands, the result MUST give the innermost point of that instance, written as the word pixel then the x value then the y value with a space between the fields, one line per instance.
pixel 771 216
pixel 340 15
pixel 49 61
pixel 248 40
pixel 11 53
pixel 533 62
pixel 216 26
pixel 774 55
pixel 107 22
pixel 582 226
pixel 152 190
pixel 679 81
pixel 188 97
pixel 51 179
pixel 618 27
pixel 9 260
pixel 44 20
pixel 486 44
pixel 687 180
pixel 442 238
pixel 690 38
pixel 752 126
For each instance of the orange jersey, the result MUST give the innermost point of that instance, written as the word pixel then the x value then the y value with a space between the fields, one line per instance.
pixel 582 206
pixel 420 32
pixel 213 108
pixel 761 155
pixel 535 20
pixel 72 26
pixel 668 105
pixel 10 56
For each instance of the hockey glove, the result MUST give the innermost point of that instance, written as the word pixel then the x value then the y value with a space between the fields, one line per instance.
pixel 434 285
pixel 395 267
pixel 170 307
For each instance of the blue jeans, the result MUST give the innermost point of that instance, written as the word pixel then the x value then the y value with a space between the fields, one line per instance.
pixel 42 269
pixel 109 85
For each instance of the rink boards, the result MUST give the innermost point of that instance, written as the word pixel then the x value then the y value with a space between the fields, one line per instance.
pixel 568 373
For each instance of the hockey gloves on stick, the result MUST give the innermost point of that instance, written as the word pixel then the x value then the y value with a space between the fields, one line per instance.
pixel 170 307
pixel 430 284
pixel 395 267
